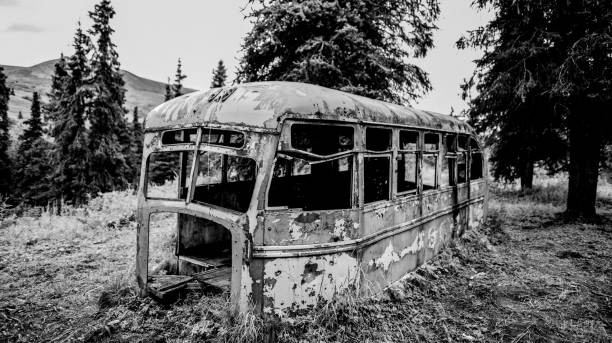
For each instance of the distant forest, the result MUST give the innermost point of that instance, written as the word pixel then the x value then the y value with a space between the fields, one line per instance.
pixel 79 143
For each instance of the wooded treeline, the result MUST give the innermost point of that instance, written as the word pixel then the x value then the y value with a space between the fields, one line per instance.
pixel 80 143
pixel 543 90
pixel 540 93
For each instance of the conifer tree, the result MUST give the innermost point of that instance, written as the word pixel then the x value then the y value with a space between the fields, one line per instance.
pixel 360 46
pixel 177 86
pixel 5 140
pixel 69 100
pixel 20 115
pixel 33 160
pixel 547 67
pixel 219 75
pixel 168 94
pixel 34 125
pixel 58 80
pixel 108 164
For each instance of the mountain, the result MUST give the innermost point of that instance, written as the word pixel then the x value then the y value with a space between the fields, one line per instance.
pixel 141 92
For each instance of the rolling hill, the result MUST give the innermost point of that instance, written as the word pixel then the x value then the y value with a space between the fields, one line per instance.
pixel 141 92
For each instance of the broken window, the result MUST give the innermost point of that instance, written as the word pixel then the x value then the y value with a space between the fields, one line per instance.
pixel 474 145
pixel 447 173
pixel 407 172
pixel 225 181
pixel 461 168
pixel 431 146
pixel 378 139
pixel 185 136
pixel 462 143
pixel 432 142
pixel 450 140
pixel 323 140
pixel 428 171
pixel 476 166
pixel 232 139
pixel 167 174
pixel 376 178
pixel 311 185
pixel 408 140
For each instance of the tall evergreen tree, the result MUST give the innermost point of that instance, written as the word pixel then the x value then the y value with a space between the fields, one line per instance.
pixel 58 80
pixel 361 46
pixel 20 115
pixel 219 75
pixel 177 86
pixel 33 160
pixel 556 54
pixel 69 100
pixel 5 138
pixel 34 125
pixel 168 94
pixel 108 163
pixel 511 106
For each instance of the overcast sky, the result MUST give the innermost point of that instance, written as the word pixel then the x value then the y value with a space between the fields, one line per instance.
pixel 152 34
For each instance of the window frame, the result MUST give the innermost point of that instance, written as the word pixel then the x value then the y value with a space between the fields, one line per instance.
pixel 203 130
pixel 353 161
pixel 470 161
pixel 288 145
pixel 389 156
pixel 416 152
pixel 182 177
pixel 365 128
pixel 424 153
pixel 450 154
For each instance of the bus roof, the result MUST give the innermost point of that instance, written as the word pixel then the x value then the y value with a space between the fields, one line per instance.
pixel 263 105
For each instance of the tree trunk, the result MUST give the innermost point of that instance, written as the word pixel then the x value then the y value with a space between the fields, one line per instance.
pixel 585 138
pixel 527 172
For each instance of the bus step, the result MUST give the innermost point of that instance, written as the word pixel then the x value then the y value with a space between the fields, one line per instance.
pixel 216 277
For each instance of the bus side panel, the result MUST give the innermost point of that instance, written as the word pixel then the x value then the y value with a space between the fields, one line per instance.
pixel 294 227
pixel 380 216
pixel 477 210
pixel 406 209
pixel 294 283
pixel 390 259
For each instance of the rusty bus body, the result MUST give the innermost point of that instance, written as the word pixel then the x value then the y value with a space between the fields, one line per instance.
pixel 330 190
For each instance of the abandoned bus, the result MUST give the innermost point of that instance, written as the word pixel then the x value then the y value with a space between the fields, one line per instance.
pixel 285 193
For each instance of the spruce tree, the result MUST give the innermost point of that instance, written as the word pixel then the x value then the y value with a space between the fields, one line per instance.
pixel 33 160
pixel 177 86
pixel 20 115
pixel 547 68
pixel 108 164
pixel 219 75
pixel 69 100
pixel 58 80
pixel 361 46
pixel 5 140
pixel 34 125
pixel 168 94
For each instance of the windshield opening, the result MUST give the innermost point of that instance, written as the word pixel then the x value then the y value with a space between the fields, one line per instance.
pixel 224 180
pixel 168 174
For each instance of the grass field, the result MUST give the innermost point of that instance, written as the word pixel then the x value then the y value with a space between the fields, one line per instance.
pixel 528 276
